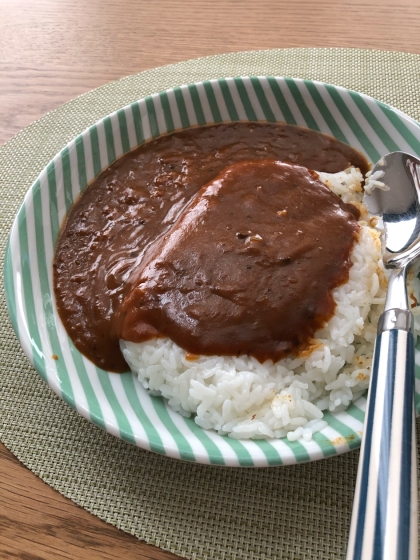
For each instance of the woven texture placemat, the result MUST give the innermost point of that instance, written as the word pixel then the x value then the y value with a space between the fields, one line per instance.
pixel 198 512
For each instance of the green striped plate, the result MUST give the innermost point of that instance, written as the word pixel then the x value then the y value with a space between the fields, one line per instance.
pixel 117 403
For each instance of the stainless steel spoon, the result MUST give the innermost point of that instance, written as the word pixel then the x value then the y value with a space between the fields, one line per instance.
pixel 384 518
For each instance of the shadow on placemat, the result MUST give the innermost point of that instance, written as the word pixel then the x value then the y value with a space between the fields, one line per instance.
pixel 199 512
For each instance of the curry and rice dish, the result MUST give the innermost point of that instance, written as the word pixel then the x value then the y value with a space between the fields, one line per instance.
pixel 233 268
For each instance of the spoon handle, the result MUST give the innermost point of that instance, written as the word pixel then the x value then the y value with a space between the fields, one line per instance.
pixel 384 519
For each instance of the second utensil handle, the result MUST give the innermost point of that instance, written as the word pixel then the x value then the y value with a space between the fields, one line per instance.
pixel 384 519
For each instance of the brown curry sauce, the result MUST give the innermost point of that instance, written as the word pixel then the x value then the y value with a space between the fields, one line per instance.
pixel 205 236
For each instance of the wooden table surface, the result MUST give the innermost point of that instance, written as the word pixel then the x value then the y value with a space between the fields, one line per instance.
pixel 54 50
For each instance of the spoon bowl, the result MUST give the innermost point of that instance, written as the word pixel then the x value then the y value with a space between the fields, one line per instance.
pixel 393 194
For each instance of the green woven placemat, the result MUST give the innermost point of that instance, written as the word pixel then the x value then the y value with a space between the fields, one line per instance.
pixel 198 512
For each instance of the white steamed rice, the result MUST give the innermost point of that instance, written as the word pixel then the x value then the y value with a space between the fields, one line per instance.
pixel 239 397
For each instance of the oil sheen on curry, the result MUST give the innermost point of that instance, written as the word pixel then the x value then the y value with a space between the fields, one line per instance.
pixel 219 237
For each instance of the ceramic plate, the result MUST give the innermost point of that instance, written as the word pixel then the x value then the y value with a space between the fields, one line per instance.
pixel 118 403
